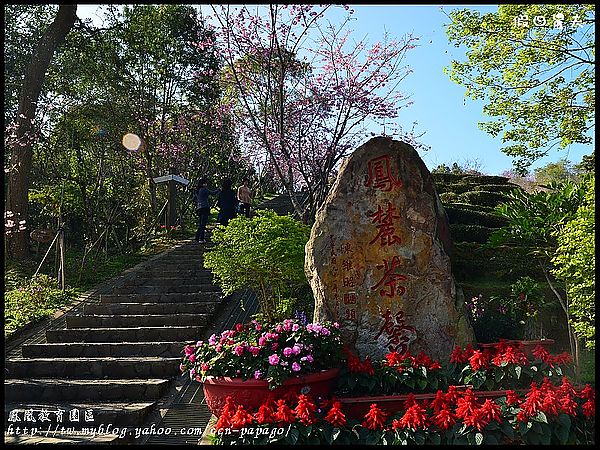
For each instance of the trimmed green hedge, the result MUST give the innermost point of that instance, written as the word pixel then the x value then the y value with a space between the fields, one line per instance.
pixel 478 208
pixel 484 198
pixel 460 215
pixel 473 179
pixel 470 233
pixel 448 197
pixel 505 188
pixel 472 260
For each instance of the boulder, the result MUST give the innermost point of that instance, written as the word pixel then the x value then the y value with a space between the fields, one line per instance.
pixel 378 257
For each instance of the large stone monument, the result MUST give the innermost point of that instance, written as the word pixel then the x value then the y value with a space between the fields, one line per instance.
pixel 377 259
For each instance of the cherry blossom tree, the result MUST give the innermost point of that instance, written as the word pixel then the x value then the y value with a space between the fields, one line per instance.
pixel 302 92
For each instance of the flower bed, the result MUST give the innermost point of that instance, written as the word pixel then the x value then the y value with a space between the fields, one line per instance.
pixel 545 414
pixel 407 399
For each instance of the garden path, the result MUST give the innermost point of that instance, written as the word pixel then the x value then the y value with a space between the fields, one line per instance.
pixel 117 354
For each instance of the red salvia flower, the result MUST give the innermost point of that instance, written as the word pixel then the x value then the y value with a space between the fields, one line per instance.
pixel 241 418
pixel 466 404
pixel 566 388
pixel 511 355
pixel 305 410
pixel 512 398
pixel 533 402
pixel 410 401
pixel 562 358
pixel 227 412
pixel 478 360
pixel 393 359
pixel 589 409
pixel 414 418
pixel 587 392
pixel 439 402
pixel 367 367
pixel 468 352
pixel 542 354
pixel 335 416
pixel 265 414
pixel 435 365
pixel 452 395
pixel 284 413
pixel 444 419
pixel 476 419
pixel 457 356
pixel 550 405
pixel 375 418
pixel 491 410
pixel 423 359
pixel 568 405
pixel 522 417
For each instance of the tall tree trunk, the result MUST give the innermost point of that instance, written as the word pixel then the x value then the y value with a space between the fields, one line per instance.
pixel 21 143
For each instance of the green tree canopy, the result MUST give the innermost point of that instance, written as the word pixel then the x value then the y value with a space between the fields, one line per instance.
pixel 534 65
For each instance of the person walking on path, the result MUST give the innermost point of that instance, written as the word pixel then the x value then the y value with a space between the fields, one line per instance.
pixel 202 208
pixel 227 203
pixel 244 197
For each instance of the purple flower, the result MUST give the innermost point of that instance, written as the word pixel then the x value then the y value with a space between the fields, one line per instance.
pixel 287 352
pixel 336 325
pixel 262 341
pixel 192 358
pixel 275 346
pixel 296 349
pixel 309 358
pixel 274 359
pixel 325 331
pixel 188 350
pixel 287 324
pixel 212 340
pixel 192 372
pixel 258 375
pixel 238 350
pixel 199 343
pixel 279 328
pixel 295 367
pixel 254 350
pixel 295 327
pixel 301 317
pixel 181 368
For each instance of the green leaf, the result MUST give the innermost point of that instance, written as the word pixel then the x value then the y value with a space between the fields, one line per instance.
pixel 518 371
pixel 478 438
pixel 293 436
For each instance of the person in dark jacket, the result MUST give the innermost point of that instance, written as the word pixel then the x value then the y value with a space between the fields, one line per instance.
pixel 202 208
pixel 227 202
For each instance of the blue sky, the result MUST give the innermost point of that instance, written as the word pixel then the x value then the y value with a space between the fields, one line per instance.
pixel 441 111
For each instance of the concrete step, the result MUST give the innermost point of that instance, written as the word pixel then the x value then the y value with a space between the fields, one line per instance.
pixel 93 368
pixel 115 349
pixel 141 320
pixel 189 273
pixel 178 297
pixel 61 390
pixel 152 308
pixel 115 413
pixel 183 288
pixel 141 334
pixel 203 278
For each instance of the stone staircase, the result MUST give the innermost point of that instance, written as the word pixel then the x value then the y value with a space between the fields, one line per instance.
pixel 116 356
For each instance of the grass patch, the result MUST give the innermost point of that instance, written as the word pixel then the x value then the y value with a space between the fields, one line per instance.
pixel 28 299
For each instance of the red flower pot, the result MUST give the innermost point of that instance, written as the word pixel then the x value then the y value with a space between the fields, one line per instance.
pixel 525 346
pixel 253 393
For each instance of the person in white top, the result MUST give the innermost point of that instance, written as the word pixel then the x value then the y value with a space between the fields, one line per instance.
pixel 244 196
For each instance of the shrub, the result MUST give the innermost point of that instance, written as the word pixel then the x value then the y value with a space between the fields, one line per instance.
pixel 504 188
pixel 264 253
pixel 574 263
pixel 484 198
pixel 470 233
pixel 457 214
pixel 448 197
pixel 36 299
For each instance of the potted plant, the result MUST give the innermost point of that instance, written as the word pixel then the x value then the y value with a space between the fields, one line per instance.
pixel 256 360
